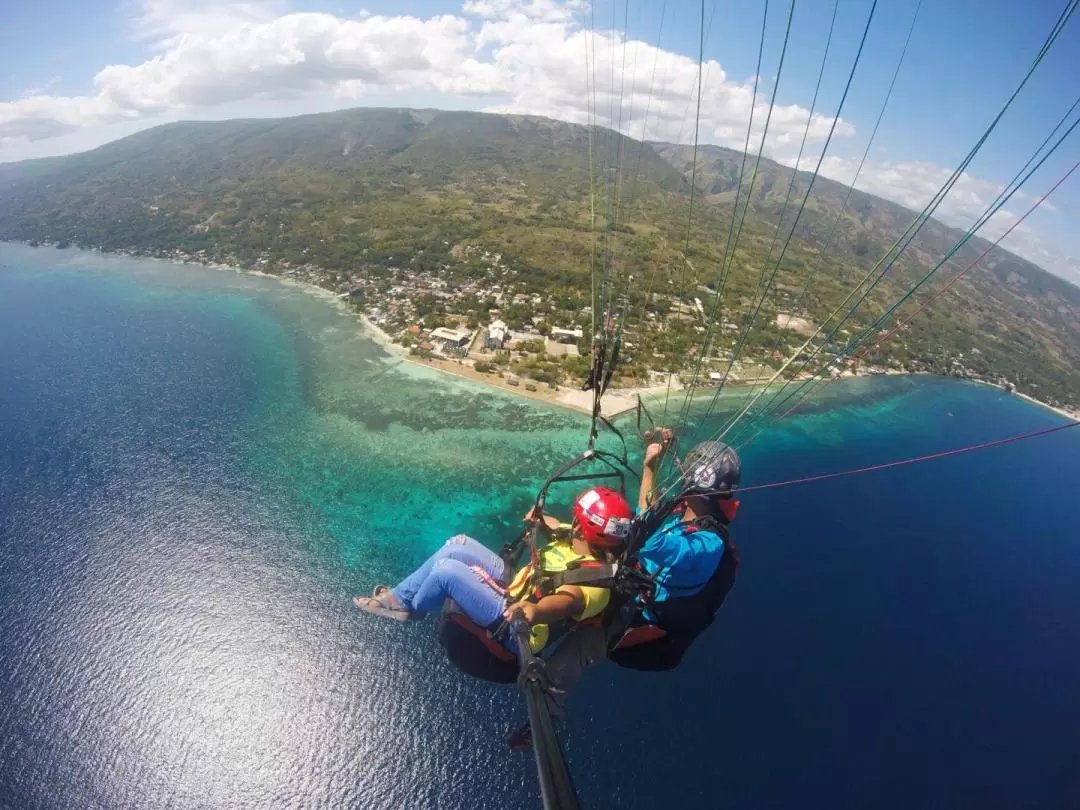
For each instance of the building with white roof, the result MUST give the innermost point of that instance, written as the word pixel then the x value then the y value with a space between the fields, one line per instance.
pixel 451 339
pixel 566 335
pixel 497 335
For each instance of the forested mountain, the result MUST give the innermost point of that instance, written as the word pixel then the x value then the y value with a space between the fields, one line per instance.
pixel 366 191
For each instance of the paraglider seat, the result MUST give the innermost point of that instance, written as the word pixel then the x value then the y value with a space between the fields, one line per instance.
pixel 470 648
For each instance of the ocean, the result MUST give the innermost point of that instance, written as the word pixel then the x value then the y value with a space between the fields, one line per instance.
pixel 198 469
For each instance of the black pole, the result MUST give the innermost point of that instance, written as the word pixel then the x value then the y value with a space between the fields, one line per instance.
pixel 556 787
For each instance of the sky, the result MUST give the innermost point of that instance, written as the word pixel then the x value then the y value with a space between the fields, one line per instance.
pixel 79 73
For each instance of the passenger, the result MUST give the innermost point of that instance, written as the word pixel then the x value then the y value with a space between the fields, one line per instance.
pixel 476 580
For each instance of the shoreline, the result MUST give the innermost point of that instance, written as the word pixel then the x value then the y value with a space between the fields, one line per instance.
pixel 379 335
pixel 1071 416
pixel 617 400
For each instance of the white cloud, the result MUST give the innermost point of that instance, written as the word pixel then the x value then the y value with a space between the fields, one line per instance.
pixel 40 116
pixel 165 21
pixel 525 56
pixel 654 92
pixel 543 10
pixel 43 89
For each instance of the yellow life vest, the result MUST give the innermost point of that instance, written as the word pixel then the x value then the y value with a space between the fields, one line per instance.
pixel 556 557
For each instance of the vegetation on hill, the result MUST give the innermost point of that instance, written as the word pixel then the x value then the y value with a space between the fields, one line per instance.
pixel 377 200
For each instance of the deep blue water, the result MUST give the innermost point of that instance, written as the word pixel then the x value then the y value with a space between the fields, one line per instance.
pixel 197 470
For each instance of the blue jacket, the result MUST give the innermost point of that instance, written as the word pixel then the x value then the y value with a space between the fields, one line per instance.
pixel 685 558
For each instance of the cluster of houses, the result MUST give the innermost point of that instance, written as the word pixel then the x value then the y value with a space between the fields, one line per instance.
pixel 458 343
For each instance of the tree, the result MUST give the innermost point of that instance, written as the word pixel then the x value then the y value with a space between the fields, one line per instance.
pixel 517 315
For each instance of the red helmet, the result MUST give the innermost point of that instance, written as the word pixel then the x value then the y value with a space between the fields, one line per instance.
pixel 603 516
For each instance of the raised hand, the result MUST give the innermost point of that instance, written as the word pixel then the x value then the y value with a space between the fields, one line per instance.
pixel 654 452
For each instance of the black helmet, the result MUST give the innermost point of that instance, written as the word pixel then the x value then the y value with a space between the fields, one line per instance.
pixel 711 468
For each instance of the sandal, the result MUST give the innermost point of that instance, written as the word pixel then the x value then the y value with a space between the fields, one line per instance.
pixel 382 604
pixel 384 594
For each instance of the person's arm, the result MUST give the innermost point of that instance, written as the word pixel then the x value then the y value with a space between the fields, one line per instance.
pixel 648 481
pixel 654 453
pixel 564 603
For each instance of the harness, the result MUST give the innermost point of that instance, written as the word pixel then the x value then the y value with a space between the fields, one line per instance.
pixel 479 651
pixel 659 642
pixel 579 572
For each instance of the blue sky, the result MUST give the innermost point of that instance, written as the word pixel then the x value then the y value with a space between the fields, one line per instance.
pixel 77 74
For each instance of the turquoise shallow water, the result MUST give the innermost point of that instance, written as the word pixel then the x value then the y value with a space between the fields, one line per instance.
pixel 198 468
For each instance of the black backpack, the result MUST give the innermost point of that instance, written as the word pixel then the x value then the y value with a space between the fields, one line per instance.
pixel 682 618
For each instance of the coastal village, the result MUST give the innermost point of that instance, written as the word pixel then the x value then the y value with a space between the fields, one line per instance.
pixel 485 324
pixel 546 346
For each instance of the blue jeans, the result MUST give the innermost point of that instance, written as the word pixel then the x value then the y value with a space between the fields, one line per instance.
pixel 448 573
